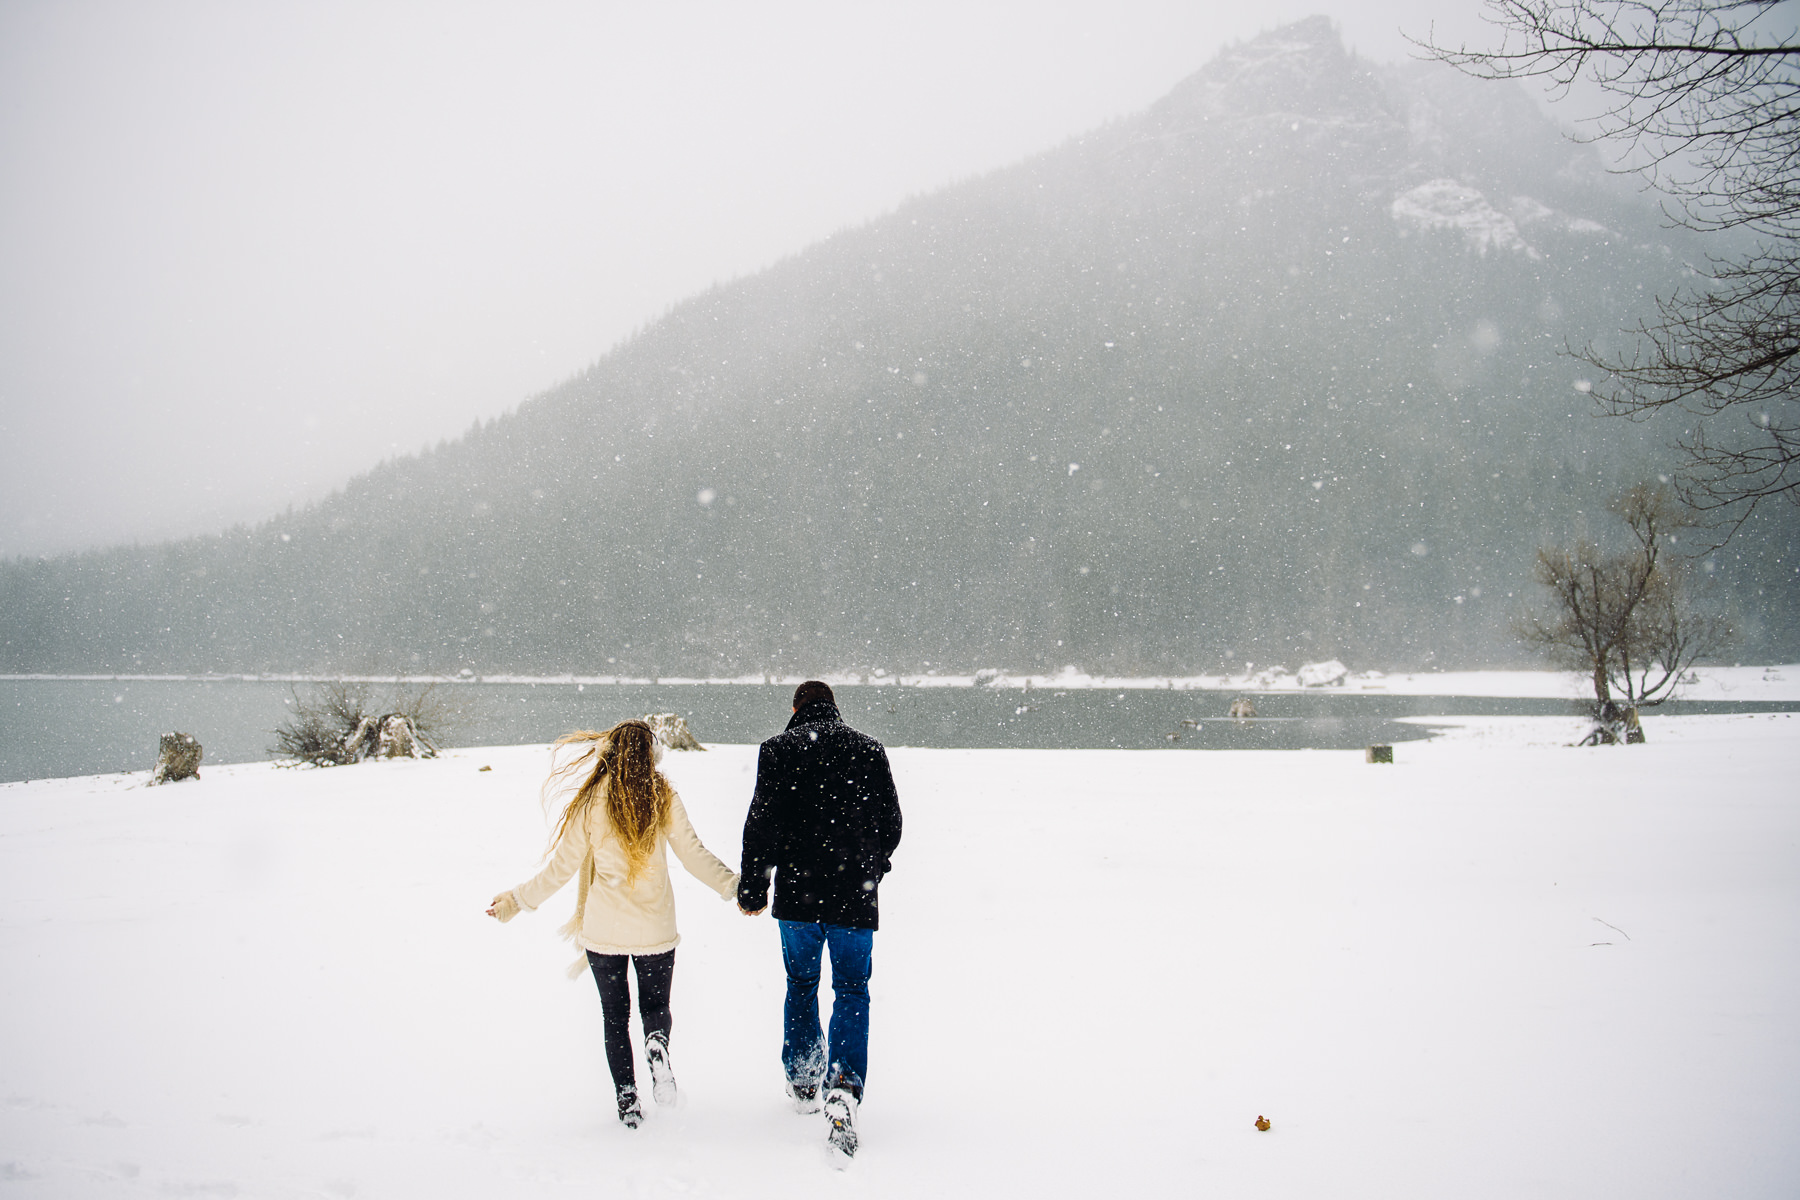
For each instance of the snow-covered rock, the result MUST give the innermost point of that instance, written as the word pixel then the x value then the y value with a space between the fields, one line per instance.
pixel 1324 674
pixel 1447 204
pixel 1271 677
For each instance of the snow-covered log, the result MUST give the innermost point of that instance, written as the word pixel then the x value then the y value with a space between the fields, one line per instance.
pixel 177 758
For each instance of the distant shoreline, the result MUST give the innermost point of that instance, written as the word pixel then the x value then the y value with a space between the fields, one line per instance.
pixel 1774 682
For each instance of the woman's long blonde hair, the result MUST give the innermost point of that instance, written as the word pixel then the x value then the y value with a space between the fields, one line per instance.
pixel 620 767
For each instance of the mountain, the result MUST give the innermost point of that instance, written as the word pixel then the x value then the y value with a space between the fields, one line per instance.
pixel 1270 372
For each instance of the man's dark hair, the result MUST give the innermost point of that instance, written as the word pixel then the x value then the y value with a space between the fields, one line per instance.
pixel 810 691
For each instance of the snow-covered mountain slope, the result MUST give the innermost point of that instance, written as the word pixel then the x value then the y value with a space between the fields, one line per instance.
pixel 1271 372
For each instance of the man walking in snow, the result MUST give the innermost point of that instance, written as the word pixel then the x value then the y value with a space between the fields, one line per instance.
pixel 823 824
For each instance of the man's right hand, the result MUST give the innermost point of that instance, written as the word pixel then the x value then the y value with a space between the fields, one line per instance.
pixel 752 912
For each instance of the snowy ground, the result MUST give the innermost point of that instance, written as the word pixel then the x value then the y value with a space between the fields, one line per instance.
pixel 1498 968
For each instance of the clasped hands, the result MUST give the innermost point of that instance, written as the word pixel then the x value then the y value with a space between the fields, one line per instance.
pixel 504 908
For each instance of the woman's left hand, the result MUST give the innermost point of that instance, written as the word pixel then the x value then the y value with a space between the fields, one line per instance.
pixel 503 908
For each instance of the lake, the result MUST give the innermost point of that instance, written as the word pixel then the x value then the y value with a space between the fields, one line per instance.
pixel 58 727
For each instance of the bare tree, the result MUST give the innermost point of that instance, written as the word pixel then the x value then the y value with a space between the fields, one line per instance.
pixel 1627 617
pixel 1703 98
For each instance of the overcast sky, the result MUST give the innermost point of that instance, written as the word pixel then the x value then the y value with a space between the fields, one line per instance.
pixel 248 250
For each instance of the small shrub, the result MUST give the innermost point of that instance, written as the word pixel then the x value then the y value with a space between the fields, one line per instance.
pixel 341 723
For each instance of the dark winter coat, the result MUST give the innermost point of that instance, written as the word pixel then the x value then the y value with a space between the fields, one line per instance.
pixel 823 823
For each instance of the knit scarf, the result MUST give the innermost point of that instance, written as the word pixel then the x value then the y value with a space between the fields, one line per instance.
pixel 572 928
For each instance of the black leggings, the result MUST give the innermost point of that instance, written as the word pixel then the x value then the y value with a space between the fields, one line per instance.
pixel 654 974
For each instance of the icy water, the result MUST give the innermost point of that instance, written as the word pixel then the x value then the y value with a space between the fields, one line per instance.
pixel 52 727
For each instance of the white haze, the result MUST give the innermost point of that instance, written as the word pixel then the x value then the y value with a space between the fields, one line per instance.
pixel 248 251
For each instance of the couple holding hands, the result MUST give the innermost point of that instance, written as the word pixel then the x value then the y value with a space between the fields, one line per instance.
pixel 823 823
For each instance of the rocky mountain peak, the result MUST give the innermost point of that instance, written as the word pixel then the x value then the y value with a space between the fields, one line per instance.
pixel 1300 70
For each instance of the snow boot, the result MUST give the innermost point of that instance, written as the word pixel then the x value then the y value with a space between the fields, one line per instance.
pixel 662 1075
pixel 804 1095
pixel 840 1110
pixel 630 1111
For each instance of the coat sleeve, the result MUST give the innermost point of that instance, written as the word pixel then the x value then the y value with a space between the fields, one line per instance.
pixel 699 861
pixel 563 864
pixel 887 813
pixel 757 866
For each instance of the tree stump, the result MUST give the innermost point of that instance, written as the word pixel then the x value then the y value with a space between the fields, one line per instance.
pixel 1243 707
pixel 177 758
pixel 398 739
pixel 360 741
pixel 1379 754
pixel 672 731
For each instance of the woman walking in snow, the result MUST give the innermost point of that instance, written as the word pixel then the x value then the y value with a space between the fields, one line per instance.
pixel 611 839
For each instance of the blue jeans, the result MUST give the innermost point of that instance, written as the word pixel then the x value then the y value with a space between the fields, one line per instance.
pixel 804 1055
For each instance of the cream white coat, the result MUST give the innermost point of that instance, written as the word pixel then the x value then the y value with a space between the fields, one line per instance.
pixel 614 918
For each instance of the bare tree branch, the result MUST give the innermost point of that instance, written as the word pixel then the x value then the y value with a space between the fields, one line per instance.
pixel 1702 100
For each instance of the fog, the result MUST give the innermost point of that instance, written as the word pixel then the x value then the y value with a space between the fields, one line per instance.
pixel 247 252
